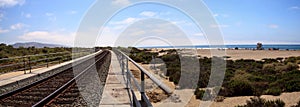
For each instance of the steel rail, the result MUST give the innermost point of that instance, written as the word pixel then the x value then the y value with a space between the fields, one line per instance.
pixel 51 96
pixel 36 82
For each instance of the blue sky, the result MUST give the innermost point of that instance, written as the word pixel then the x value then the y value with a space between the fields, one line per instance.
pixel 241 21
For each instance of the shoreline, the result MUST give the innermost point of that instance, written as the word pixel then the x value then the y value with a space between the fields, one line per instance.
pixel 231 46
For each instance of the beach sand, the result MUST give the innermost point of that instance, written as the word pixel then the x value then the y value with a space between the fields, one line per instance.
pixel 252 54
pixel 241 54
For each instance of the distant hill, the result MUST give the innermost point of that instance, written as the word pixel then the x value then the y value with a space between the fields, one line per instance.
pixel 36 45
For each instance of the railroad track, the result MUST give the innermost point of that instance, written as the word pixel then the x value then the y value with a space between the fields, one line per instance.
pixel 57 90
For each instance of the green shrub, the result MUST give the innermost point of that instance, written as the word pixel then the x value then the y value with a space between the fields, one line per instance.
pixel 281 68
pixel 273 91
pixel 219 99
pixel 291 59
pixel 292 85
pixel 269 60
pixel 268 68
pixel 260 102
pixel 298 61
pixel 276 103
pixel 292 66
pixel 142 56
pixel 170 57
pixel 199 93
pixel 175 77
pixel 239 88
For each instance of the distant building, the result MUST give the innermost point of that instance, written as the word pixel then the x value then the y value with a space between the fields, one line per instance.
pixel 259 46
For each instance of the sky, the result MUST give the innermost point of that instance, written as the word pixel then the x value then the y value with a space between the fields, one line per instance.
pixel 241 21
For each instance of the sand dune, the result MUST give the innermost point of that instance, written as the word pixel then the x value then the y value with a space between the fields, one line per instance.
pixel 252 54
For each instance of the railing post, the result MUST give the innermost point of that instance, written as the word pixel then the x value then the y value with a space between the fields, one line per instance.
pixel 47 60
pixel 142 84
pixel 122 65
pixel 127 74
pixel 24 64
pixel 127 69
pixel 153 63
pixel 59 58
pixel 29 64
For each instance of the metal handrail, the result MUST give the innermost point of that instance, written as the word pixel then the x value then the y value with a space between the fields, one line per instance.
pixel 18 57
pixel 8 65
pixel 141 87
pixel 153 78
pixel 50 56
pixel 135 82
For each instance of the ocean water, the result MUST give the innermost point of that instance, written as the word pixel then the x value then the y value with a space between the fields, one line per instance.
pixel 266 47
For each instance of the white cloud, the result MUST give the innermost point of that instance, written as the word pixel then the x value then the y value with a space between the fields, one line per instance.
pixel 49 37
pixel 120 2
pixel 118 27
pixel 49 14
pixel 156 29
pixel 221 15
pixel 73 12
pixel 51 17
pixel 198 34
pixel 165 13
pixel 113 36
pixel 182 23
pixel 107 37
pixel 28 15
pixel 219 26
pixel 294 8
pixel 1 16
pixel 238 24
pixel 225 15
pixel 3 30
pixel 125 21
pixel 11 3
pixel 148 13
pixel 137 33
pixel 17 26
pixel 216 15
pixel 273 26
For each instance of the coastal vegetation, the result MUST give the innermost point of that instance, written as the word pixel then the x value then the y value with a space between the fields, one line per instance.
pixel 260 102
pixel 243 77
pixel 18 59
pixel 9 51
